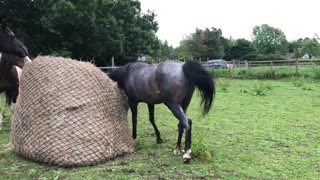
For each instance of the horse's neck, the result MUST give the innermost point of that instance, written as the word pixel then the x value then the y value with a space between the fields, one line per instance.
pixel 5 84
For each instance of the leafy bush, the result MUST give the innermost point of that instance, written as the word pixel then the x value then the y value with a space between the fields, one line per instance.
pixel 316 73
pixel 298 82
pixel 201 148
pixel 264 74
pixel 260 89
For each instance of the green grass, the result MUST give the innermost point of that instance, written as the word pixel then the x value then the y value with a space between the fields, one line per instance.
pixel 245 136
pixel 266 72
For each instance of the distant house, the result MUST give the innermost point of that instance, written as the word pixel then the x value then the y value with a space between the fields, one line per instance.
pixel 142 59
pixel 306 56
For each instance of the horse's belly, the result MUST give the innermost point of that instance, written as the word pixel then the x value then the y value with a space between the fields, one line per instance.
pixel 154 98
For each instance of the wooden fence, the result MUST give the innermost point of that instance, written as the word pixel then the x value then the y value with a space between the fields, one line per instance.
pixel 249 64
pixel 108 69
pixel 271 63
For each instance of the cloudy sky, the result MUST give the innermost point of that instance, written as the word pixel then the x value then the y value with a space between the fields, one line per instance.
pixel 236 18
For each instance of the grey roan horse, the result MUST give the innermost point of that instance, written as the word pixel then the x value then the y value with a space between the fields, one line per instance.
pixel 171 83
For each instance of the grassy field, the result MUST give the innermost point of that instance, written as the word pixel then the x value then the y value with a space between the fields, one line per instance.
pixel 256 130
pixel 265 72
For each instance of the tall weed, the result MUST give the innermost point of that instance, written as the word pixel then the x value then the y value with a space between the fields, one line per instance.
pixel 201 149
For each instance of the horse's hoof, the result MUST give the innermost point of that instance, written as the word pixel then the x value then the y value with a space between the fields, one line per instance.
pixel 177 152
pixel 187 156
pixel 186 160
pixel 159 141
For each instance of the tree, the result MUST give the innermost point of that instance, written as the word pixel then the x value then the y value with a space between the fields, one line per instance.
pixel 295 47
pixel 166 51
pixel 197 44
pixel 207 43
pixel 182 52
pixel 214 42
pixel 269 40
pixel 139 30
pixel 310 47
pixel 241 50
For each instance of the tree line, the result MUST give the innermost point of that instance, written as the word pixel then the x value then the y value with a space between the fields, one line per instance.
pixel 98 30
pixel 268 43
pixel 94 30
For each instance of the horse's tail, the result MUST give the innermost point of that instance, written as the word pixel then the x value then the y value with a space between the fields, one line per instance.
pixel 203 80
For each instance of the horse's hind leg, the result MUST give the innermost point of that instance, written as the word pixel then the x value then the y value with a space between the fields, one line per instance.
pixel 186 101
pixel 151 118
pixel 177 151
pixel 133 106
pixel 184 123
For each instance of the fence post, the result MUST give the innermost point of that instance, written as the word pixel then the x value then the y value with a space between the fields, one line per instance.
pixel 296 68
pixel 112 61
pixel 271 64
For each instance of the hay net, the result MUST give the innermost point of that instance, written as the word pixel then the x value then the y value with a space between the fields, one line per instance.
pixel 69 113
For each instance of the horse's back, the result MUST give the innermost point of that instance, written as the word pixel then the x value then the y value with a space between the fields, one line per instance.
pixel 171 80
pixel 170 72
pixel 141 85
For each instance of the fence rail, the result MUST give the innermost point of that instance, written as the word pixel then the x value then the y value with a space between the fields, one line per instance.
pixel 108 69
pixel 249 64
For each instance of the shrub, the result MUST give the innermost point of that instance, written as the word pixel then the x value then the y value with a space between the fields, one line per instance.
pixel 316 73
pixel 260 89
pixel 201 148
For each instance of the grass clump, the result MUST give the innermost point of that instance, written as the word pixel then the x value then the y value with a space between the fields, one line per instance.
pixel 201 149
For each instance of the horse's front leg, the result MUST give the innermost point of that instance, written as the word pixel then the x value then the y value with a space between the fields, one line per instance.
pixel 151 119
pixel 133 106
pixel 184 124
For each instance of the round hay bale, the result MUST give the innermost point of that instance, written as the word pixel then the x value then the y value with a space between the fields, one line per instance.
pixel 69 113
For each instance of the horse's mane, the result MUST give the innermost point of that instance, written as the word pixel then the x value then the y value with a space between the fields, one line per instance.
pixel 120 75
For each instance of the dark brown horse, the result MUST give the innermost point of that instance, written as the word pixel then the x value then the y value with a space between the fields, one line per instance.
pixel 10 70
pixel 171 83
pixel 9 43
pixel 13 55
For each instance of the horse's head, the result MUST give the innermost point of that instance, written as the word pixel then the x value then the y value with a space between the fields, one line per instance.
pixel 120 75
pixel 9 60
pixel 10 44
